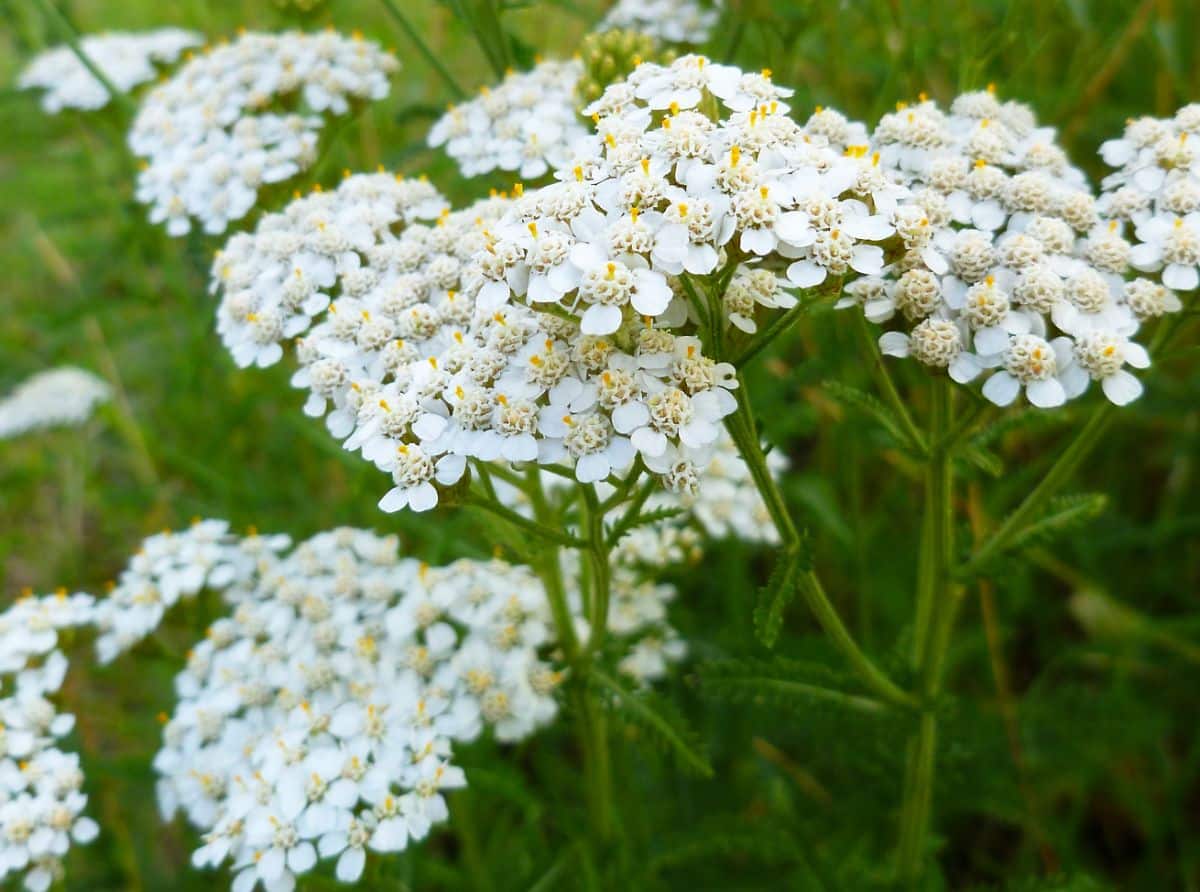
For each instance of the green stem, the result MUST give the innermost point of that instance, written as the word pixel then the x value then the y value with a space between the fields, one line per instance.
pixel 741 428
pixel 423 48
pixel 1060 472
pixel 935 611
pixel 71 35
pixel 887 387
pixel 592 527
pixel 547 533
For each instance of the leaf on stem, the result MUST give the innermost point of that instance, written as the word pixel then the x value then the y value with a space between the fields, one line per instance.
pixel 779 591
pixel 871 405
pixel 655 715
pixel 792 685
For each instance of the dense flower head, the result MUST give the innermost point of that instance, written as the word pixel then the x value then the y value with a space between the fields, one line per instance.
pixel 127 59
pixel 526 124
pixel 1156 190
pixel 244 115
pixel 316 721
pixel 344 245
pixel 672 21
pixel 171 566
pixel 41 798
pixel 1005 267
pixel 693 167
pixel 61 397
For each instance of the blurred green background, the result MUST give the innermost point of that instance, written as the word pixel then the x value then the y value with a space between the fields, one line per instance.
pixel 1071 755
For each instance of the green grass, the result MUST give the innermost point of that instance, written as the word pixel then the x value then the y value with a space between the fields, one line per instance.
pixel 1106 774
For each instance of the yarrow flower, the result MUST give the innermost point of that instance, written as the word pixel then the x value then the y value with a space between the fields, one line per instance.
pixel 526 124
pixel 211 139
pixel 1007 269
pixel 62 397
pixel 127 59
pixel 317 721
pixel 170 567
pixel 1156 189
pixel 672 21
pixel 41 798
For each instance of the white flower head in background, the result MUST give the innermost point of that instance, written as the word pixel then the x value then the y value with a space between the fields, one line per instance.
pixel 672 21
pixel 1156 189
pixel 62 397
pixel 317 721
pixel 526 124
pixel 1005 268
pixel 127 59
pixel 244 115
pixel 41 798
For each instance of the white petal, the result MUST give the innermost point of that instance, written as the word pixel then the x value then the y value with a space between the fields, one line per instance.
pixel 806 274
pixel 1046 394
pixel 422 497
pixel 1121 388
pixel 894 343
pixel 600 319
pixel 1002 388
pixel 1180 277
pixel 350 865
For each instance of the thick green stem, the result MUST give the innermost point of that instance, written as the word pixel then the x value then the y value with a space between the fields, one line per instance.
pixel 592 727
pixel 423 48
pixel 935 611
pixel 592 522
pixel 742 429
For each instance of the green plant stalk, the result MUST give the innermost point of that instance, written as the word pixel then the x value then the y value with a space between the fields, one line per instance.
pixel 52 12
pixel 741 428
pixel 935 611
pixel 591 724
pixel 887 387
pixel 423 48
pixel 1060 472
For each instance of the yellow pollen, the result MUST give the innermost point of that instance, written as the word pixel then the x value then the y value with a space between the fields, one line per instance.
pixel 499 318
pixel 1110 350
pixel 646 166
pixel 991 88
pixel 533 229
pixel 459 392
pixel 763 191
pixel 979 162
pixel 991 281
pixel 502 399
pixel 735 155
pixel 766 72
pixel 433 362
pixel 1112 225
pixel 633 213
pixel 566 419
pixel 383 404
pixel 611 271
pixel 535 361
pixel 683 209
pixel 518 189
pixel 923 96
pixel 578 173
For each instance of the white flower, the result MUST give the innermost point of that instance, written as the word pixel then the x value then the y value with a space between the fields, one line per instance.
pixel 673 21
pixel 127 59
pixel 1101 356
pixel 210 139
pixel 62 397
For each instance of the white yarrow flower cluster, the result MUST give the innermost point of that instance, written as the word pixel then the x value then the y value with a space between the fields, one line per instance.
pixel 1007 269
pixel 1156 188
pixel 127 59
pixel 41 798
pixel 62 397
pixel 229 122
pixel 317 721
pixel 169 567
pixel 526 124
pixel 671 21
pixel 326 248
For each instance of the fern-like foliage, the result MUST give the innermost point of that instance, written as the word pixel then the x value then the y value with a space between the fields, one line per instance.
pixel 656 716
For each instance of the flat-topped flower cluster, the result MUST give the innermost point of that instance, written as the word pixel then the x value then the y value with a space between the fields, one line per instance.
pixel 41 797
pixel 126 59
pixel 61 397
pixel 525 124
pixel 673 21
pixel 244 115
pixel 1007 266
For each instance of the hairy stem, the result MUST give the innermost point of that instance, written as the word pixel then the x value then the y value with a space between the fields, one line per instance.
pixel 742 429
pixel 935 610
